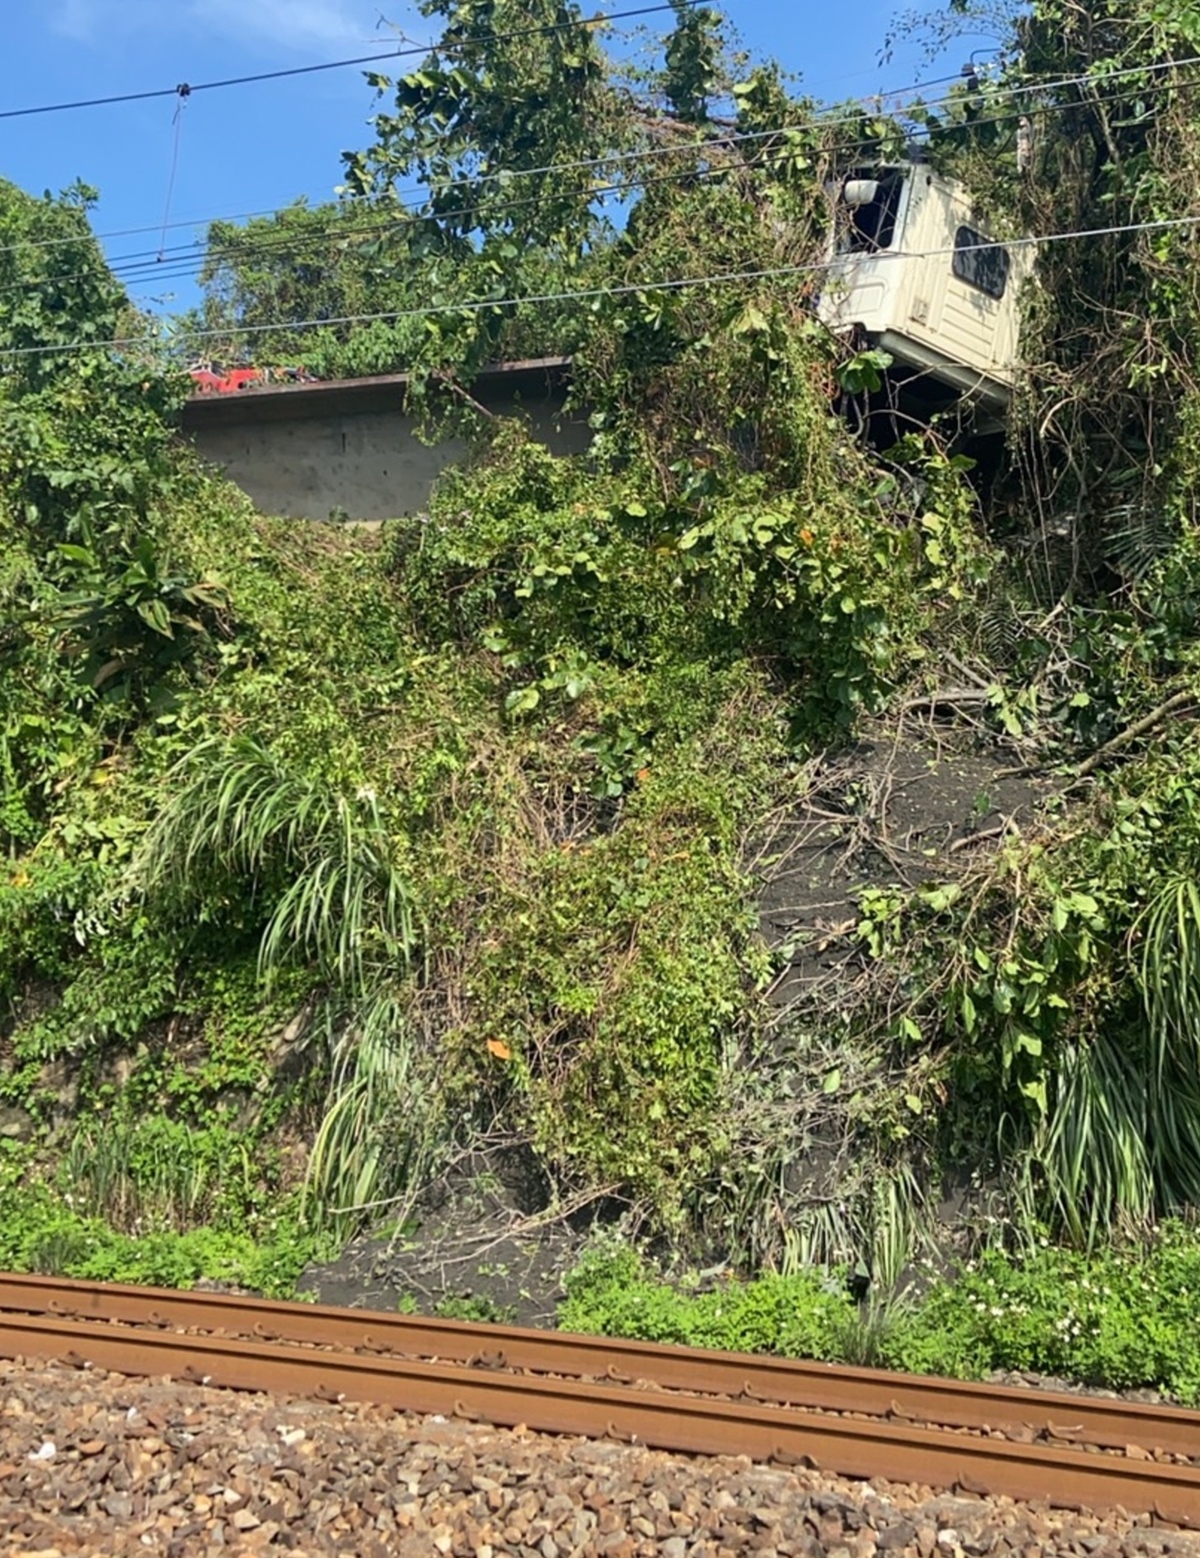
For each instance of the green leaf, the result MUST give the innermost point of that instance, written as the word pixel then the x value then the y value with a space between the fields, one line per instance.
pixel 751 321
pixel 78 554
pixel 155 614
pixel 941 896
pixel 523 701
pixel 833 1081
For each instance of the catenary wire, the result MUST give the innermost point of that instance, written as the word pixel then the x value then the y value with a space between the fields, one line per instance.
pixel 126 266
pixel 177 128
pixel 184 262
pixel 626 289
pixel 186 88
pixel 579 164
pixel 1052 84
pixel 181 266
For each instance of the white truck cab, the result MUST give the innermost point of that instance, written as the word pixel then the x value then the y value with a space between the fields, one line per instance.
pixel 911 270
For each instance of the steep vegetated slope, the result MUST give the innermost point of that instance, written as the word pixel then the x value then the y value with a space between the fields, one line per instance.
pixel 332 856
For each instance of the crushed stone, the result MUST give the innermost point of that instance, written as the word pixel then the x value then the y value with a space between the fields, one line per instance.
pixel 98 1464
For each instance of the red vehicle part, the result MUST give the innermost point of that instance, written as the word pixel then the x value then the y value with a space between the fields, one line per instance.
pixel 216 380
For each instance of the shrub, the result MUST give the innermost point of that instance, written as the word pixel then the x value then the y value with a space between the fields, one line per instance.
pixel 612 1293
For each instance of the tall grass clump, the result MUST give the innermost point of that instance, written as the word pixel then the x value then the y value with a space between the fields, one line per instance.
pixel 322 862
pixel 1123 1137
pixel 1170 982
pixel 319 869
pixel 377 1142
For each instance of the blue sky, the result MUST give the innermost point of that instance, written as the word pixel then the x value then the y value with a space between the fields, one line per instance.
pixel 248 149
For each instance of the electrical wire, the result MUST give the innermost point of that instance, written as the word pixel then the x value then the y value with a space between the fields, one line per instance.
pixel 582 164
pixel 184 263
pixel 127 265
pixel 182 266
pixel 130 264
pixel 247 216
pixel 475 305
pixel 579 164
pixel 362 59
pixel 177 127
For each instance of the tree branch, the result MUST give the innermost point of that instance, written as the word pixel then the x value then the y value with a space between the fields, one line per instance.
pixel 1131 732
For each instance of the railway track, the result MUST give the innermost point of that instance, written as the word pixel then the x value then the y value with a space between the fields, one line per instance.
pixel 1074 1452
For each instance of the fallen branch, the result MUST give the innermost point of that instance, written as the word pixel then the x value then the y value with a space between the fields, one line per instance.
pixel 447 381
pixel 980 838
pixel 1131 732
pixel 947 695
pixel 965 670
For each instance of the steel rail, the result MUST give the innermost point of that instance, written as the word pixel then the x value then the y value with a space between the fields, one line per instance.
pixel 1086 1420
pixel 847 1446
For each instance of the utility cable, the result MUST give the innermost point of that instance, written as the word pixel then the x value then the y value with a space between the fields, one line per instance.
pixel 184 94
pixel 183 266
pixel 733 136
pixel 580 164
pixel 731 139
pixel 626 289
pixel 361 59
pixel 247 216
pixel 184 263
pixel 127 266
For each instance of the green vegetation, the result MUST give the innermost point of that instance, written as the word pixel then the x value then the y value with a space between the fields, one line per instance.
pixel 476 1311
pixel 339 267
pixel 331 855
pixel 801 1315
pixel 1121 1320
pixel 63 1226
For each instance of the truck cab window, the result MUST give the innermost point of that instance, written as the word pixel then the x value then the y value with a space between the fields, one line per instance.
pixel 872 206
pixel 980 263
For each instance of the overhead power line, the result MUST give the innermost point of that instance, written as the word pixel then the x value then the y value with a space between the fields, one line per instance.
pixel 128 266
pixel 577 164
pixel 626 289
pixel 185 89
pixel 888 95
pixel 182 262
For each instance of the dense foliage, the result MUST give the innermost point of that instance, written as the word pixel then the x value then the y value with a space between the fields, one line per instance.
pixel 331 290
pixel 1069 956
pixel 362 850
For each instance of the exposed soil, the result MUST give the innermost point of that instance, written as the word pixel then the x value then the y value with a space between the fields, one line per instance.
pixel 896 809
pixel 479 1248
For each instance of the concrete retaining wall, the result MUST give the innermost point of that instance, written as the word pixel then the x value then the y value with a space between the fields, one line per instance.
pixel 311 451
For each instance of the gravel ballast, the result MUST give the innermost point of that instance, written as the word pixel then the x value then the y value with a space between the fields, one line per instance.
pixel 100 1464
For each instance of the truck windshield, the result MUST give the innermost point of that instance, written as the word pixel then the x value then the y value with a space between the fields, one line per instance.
pixel 872 225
